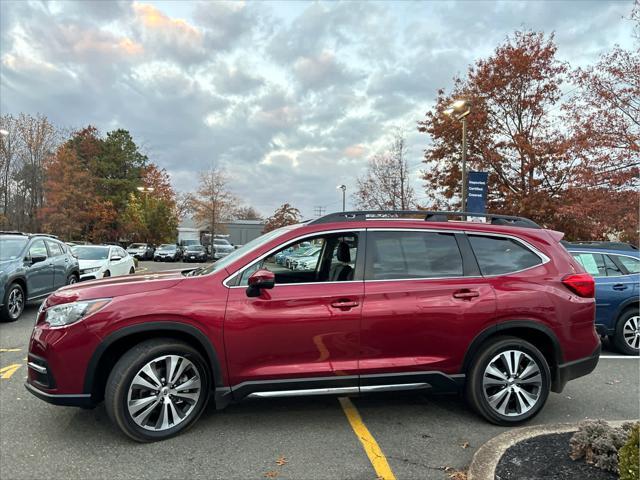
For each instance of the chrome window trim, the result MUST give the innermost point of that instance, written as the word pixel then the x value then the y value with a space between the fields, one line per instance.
pixel 279 247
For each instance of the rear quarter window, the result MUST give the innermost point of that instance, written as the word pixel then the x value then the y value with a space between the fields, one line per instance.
pixel 500 255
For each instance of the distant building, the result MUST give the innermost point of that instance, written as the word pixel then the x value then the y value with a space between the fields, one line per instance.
pixel 238 232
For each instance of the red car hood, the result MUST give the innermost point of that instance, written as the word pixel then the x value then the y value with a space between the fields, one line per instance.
pixel 115 286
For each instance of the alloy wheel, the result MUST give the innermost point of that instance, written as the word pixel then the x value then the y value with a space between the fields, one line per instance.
pixel 15 303
pixel 631 332
pixel 512 383
pixel 164 393
pixel 72 280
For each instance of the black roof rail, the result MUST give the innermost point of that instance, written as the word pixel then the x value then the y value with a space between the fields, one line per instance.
pixel 427 215
pixel 604 244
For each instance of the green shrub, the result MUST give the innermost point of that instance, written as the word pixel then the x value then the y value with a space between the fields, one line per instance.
pixel 598 443
pixel 629 461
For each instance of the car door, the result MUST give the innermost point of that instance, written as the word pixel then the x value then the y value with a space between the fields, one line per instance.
pixel 423 302
pixel 117 263
pixel 59 262
pixel 39 274
pixel 303 333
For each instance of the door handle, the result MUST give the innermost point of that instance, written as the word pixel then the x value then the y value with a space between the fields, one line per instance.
pixel 620 286
pixel 466 294
pixel 344 304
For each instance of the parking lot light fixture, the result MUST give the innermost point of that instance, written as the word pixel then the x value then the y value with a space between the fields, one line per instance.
pixel 344 193
pixel 458 110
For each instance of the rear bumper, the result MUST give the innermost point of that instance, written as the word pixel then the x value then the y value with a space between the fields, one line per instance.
pixel 575 369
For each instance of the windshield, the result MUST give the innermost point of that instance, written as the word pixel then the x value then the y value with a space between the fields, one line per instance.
pixel 240 252
pixel 137 245
pixel 195 248
pixel 221 242
pixel 167 246
pixel 91 253
pixel 10 247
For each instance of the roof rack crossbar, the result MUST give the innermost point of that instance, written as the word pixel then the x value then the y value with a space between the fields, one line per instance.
pixel 427 215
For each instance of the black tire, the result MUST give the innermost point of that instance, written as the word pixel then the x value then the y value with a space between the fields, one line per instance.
pixel 475 390
pixel 132 271
pixel 626 317
pixel 11 313
pixel 71 279
pixel 107 274
pixel 126 369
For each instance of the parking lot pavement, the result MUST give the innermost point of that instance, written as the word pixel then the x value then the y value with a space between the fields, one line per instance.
pixel 303 438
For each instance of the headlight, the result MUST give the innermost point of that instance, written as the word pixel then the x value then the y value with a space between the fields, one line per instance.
pixel 90 270
pixel 68 313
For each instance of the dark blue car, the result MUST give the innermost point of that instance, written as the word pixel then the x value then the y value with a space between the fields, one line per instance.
pixel 616 270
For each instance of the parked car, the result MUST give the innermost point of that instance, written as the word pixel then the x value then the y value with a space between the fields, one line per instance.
pixel 101 261
pixel 31 267
pixel 499 310
pixel 617 275
pixel 297 254
pixel 167 252
pixel 307 261
pixel 142 251
pixel 195 253
pixel 221 248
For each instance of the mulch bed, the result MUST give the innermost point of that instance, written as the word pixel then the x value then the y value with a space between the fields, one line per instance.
pixel 546 457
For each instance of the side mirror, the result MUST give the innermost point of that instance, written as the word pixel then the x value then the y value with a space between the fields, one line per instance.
pixel 116 258
pixel 261 279
pixel 38 258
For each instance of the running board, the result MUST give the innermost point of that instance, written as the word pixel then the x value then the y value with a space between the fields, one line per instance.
pixel 339 390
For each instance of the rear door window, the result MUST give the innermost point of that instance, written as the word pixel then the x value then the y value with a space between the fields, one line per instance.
pixel 501 255
pixel 397 255
pixel 631 264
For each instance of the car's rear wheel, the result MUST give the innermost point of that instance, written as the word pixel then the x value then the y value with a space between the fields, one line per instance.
pixel 509 381
pixel 627 336
pixel 157 389
pixel 13 303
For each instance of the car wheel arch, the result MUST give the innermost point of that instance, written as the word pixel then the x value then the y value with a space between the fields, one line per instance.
pixel 536 333
pixel 23 284
pixel 116 344
pixel 628 304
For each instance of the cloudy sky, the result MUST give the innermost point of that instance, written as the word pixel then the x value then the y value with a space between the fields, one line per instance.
pixel 291 98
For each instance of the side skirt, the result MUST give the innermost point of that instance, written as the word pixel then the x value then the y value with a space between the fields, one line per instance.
pixel 343 385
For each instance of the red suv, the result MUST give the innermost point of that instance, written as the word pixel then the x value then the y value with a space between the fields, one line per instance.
pixel 378 301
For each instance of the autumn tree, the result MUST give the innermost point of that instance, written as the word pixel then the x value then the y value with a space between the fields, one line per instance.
pixel 247 213
pixel 283 216
pixel 386 184
pixel 151 216
pixel 67 210
pixel 213 203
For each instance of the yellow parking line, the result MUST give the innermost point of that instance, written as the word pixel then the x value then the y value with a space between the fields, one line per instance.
pixel 6 372
pixel 9 350
pixel 371 447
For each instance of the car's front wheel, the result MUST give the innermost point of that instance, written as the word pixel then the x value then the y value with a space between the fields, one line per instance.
pixel 71 279
pixel 509 381
pixel 157 389
pixel 13 303
pixel 627 336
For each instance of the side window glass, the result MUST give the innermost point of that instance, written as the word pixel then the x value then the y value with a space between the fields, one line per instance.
pixel 499 255
pixel 54 248
pixel 593 263
pixel 322 259
pixel 121 252
pixel 38 249
pixel 611 268
pixel 406 255
pixel 631 264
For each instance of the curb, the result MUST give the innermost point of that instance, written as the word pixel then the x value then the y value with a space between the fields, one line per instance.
pixel 485 460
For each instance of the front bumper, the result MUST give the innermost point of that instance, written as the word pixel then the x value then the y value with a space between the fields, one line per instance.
pixel 575 369
pixel 73 400
pixel 91 276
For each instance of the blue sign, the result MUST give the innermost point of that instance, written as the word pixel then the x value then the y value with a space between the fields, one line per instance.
pixel 477 192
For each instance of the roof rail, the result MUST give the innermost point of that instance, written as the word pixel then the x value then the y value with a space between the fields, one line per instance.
pixel 604 244
pixel 11 232
pixel 25 234
pixel 427 215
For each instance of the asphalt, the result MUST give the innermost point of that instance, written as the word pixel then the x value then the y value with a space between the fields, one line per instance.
pixel 420 435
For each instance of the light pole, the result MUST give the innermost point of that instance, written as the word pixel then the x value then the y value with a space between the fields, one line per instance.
pixel 459 110
pixel 344 193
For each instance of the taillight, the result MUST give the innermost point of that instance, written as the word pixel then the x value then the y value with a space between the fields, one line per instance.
pixel 581 284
